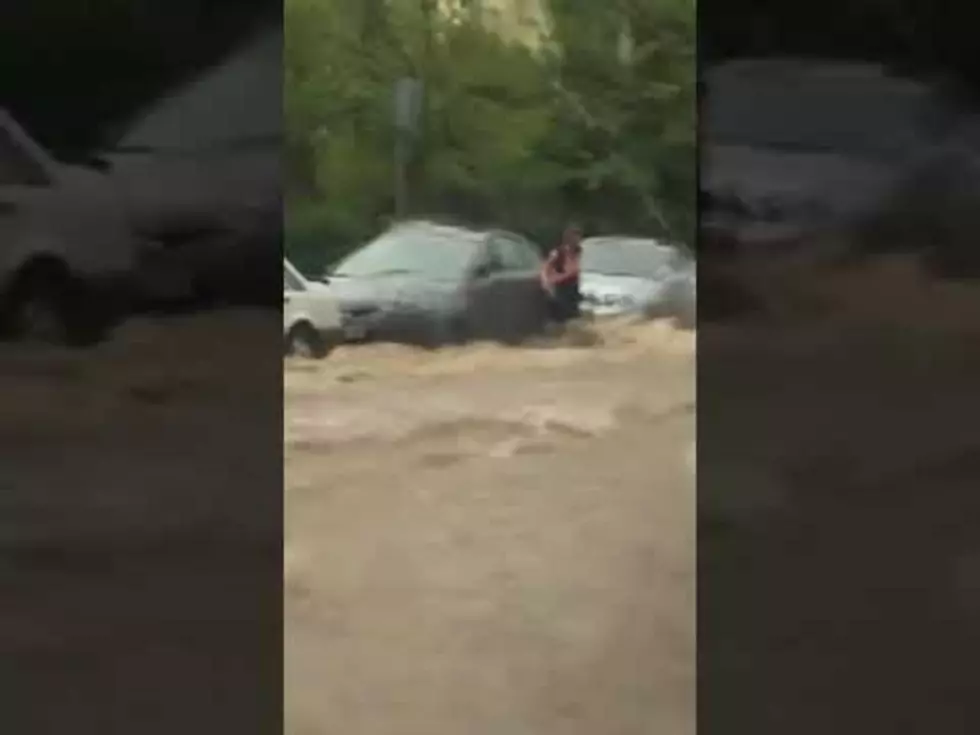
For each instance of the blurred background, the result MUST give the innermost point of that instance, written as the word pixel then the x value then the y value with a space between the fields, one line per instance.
pixel 909 33
pixel 71 71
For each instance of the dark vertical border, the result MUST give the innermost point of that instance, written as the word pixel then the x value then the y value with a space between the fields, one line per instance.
pixel 838 448
pixel 141 480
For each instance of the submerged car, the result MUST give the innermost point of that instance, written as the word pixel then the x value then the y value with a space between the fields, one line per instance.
pixel 311 319
pixel 631 275
pixel 432 284
pixel 66 251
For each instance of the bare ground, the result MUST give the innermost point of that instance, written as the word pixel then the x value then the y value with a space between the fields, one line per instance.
pixel 490 540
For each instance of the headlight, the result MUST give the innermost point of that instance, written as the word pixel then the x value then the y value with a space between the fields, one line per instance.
pixel 358 311
pixel 608 299
pixel 618 300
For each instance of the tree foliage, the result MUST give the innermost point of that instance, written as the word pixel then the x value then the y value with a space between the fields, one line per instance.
pixel 597 124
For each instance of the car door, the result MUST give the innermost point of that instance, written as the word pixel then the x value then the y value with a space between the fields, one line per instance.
pixel 519 287
pixel 485 293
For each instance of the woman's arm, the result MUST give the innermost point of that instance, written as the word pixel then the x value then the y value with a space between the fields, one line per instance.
pixel 571 271
pixel 548 275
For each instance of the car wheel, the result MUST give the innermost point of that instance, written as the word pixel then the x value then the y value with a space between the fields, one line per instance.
pixel 305 341
pixel 48 306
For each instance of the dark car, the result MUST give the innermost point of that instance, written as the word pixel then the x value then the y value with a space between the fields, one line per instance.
pixel 433 284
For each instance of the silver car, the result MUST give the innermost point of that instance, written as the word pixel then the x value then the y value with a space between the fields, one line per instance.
pixel 631 275
pixel 432 284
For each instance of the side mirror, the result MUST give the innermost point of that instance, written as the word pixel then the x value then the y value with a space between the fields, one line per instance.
pixel 483 271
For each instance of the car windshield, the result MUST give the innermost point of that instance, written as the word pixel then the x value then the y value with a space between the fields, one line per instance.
pixel 427 253
pixel 246 87
pixel 17 166
pixel 629 257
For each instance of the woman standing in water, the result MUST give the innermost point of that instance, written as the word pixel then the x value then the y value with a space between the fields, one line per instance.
pixel 560 276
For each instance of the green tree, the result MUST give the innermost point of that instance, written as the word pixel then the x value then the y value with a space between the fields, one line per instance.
pixel 598 125
pixel 626 73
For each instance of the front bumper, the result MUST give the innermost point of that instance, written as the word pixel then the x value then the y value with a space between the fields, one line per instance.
pixel 605 307
pixel 362 322
pixel 333 336
pixel 403 324
pixel 355 329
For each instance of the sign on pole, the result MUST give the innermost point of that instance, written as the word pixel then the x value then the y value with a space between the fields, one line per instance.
pixel 408 104
pixel 408 109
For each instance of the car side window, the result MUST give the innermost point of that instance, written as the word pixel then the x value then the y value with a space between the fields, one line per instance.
pixel 17 167
pixel 515 254
pixel 492 258
pixel 529 254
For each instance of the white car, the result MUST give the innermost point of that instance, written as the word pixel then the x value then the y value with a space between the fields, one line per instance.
pixel 792 147
pixel 200 172
pixel 632 275
pixel 311 317
pixel 67 253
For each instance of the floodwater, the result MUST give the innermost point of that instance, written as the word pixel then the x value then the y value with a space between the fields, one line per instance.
pixel 478 540
pixel 492 540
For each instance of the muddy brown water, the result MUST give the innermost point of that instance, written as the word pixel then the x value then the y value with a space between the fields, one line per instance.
pixel 478 540
pixel 492 540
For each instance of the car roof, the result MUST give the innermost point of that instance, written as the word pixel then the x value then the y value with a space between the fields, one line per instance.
pixel 452 232
pixel 626 240
pixel 652 243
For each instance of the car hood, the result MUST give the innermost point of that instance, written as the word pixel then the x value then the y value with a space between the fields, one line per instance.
pixel 319 289
pixel 388 292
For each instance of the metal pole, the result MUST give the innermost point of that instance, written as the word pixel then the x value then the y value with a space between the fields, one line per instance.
pixel 401 173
